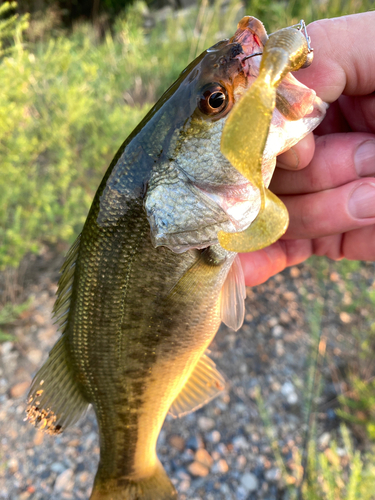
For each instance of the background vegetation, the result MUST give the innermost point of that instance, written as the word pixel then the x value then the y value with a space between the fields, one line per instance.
pixel 68 99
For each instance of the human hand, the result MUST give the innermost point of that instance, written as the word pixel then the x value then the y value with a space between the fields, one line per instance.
pixel 328 183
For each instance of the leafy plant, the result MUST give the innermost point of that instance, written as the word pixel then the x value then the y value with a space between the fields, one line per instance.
pixel 10 313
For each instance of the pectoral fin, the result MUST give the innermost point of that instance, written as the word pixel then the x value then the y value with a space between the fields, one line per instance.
pixel 204 384
pixel 233 294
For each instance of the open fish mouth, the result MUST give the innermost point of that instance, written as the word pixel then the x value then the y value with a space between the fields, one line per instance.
pixel 204 193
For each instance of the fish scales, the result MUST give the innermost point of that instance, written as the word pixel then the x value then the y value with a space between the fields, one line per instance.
pixel 146 285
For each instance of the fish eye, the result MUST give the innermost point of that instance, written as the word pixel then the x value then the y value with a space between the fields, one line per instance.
pixel 213 99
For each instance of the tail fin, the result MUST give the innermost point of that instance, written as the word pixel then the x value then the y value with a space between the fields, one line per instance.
pixel 155 487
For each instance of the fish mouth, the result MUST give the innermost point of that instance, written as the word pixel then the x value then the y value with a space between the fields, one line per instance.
pixel 293 99
pixel 241 202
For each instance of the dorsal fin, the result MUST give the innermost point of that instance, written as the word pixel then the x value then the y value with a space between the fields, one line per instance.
pixel 233 294
pixel 64 291
pixel 204 384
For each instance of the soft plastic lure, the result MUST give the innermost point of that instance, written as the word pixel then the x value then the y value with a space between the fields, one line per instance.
pixel 246 130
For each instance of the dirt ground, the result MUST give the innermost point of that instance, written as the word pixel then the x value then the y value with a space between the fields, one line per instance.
pixel 223 451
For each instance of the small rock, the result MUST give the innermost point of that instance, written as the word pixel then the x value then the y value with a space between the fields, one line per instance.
pixel 277 331
pixel 35 356
pixel 214 437
pixel 19 390
pixel 220 467
pixel 324 439
pixel 294 272
pixel 39 319
pixel 225 490
pixel 249 481
pixel 292 398
pixel 177 442
pixel 345 317
pixel 194 443
pixel 6 347
pixel 202 456
pixel 273 475
pixel 206 424
pixel 64 481
pixel 38 438
pixel 198 469
pixel 272 322
pixel 280 351
pixel 182 474
pixel 184 486
pixel 13 465
pixel 289 392
pixel 58 467
pixel 240 443
pixel 83 477
pixel 241 462
pixel 241 493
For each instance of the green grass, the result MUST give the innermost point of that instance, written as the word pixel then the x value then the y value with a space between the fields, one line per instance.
pixel 70 99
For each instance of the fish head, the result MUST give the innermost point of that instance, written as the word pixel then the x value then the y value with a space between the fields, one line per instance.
pixel 193 191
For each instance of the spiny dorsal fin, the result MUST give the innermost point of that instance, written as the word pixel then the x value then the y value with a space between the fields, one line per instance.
pixel 204 384
pixel 233 294
pixel 64 291
pixel 55 400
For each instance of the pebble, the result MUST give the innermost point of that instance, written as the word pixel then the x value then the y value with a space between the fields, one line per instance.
pixel 214 437
pixel 277 331
pixel 198 469
pixel 324 439
pixel 13 465
pixel 280 351
pixel 184 486
pixel 202 456
pixel 177 442
pixel 58 467
pixel 6 347
pixel 240 443
pixel 288 390
pixel 19 390
pixel 35 356
pixel 249 481
pixel 194 442
pixel 220 467
pixel 206 423
pixel 241 462
pixel 64 481
pixel 272 475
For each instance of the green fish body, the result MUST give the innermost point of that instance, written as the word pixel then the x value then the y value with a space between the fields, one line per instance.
pixel 145 286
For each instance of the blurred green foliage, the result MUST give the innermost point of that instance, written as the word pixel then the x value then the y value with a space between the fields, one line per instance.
pixel 67 105
pixel 339 472
pixel 275 14
pixel 69 100
pixel 9 313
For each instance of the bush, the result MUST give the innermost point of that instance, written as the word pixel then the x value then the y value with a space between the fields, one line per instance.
pixel 69 101
pixel 67 106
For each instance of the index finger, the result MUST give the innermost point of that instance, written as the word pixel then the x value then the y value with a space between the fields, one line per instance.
pixel 344 56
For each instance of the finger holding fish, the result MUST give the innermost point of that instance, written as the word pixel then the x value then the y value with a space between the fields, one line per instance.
pixel 338 160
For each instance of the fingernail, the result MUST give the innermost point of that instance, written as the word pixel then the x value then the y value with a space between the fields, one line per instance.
pixel 364 159
pixel 289 159
pixel 362 202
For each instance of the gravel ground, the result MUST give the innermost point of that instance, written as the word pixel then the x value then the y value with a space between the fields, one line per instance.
pixel 222 451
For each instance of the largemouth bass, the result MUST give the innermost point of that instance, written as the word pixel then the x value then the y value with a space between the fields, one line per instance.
pixel 145 286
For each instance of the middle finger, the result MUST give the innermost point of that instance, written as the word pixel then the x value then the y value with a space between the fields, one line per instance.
pixel 338 159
